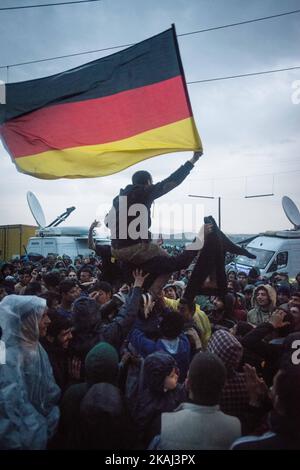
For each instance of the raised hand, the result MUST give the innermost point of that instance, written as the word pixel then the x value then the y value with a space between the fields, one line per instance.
pixel 277 318
pixel 139 278
pixel 94 295
pixel 95 224
pixel 255 385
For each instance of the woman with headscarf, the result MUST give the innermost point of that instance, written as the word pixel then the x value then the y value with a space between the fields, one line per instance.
pixel 28 393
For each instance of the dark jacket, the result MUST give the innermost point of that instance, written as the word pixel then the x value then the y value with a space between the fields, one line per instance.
pixel 140 194
pixel 104 419
pixel 268 441
pixel 278 438
pixel 179 349
pixel 111 270
pixel 58 358
pixel 270 353
pixel 117 330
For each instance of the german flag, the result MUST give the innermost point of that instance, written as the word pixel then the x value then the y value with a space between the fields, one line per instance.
pixel 103 116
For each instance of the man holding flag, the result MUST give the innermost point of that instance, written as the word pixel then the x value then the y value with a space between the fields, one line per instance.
pixel 130 234
pixel 134 244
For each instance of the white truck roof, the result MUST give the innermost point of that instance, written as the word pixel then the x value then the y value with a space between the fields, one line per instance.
pixel 271 241
pixel 282 233
pixel 63 231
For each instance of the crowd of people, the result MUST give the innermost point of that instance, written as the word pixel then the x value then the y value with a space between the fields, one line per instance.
pixel 94 362
pixel 137 348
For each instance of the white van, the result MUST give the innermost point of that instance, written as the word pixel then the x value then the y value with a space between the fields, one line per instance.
pixel 71 241
pixel 275 251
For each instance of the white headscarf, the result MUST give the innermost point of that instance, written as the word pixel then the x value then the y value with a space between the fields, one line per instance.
pixel 28 392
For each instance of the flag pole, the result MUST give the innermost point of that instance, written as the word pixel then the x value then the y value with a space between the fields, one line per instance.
pixel 181 68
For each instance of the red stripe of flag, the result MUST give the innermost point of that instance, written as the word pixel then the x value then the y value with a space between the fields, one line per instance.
pixel 98 121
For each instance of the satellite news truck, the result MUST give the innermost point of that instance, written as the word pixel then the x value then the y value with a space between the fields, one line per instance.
pixel 51 239
pixel 276 251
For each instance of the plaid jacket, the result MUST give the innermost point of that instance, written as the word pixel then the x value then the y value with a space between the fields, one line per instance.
pixel 234 398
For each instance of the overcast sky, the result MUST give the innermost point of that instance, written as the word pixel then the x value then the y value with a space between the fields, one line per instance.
pixel 249 126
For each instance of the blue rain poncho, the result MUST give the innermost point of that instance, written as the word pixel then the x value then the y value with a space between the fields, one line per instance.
pixel 28 393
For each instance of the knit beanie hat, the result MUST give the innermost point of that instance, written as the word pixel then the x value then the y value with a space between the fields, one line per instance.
pixel 102 364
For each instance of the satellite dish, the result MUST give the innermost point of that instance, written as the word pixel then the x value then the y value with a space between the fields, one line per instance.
pixel 291 211
pixel 36 209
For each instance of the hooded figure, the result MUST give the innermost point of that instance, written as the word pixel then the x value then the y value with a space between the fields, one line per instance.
pixel 101 366
pixel 261 310
pixel 28 392
pixel 155 398
pixel 234 398
pixel 104 420
pixel 104 403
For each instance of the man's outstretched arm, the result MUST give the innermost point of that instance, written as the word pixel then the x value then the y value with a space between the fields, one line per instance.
pixel 163 187
pixel 91 242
